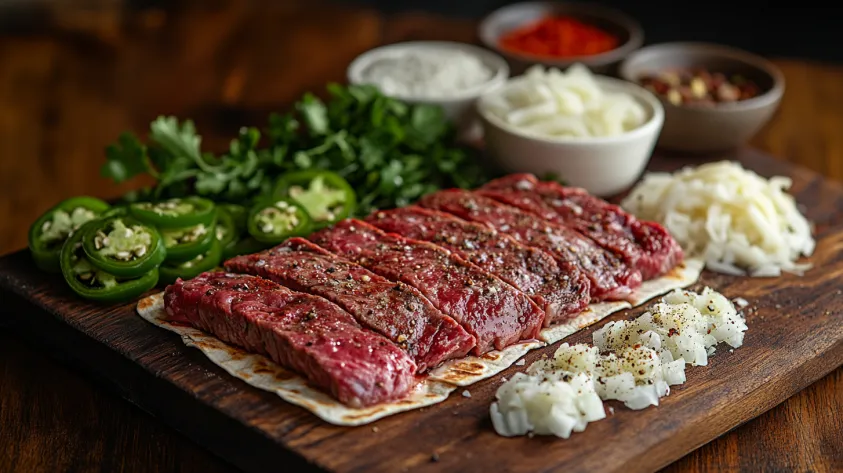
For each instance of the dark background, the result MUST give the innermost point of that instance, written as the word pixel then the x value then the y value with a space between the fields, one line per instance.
pixel 802 29
pixel 807 29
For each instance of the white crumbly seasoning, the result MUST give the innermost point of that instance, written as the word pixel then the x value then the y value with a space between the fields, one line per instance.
pixel 466 393
pixel 427 73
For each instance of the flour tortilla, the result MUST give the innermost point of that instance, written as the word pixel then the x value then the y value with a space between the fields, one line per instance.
pixel 262 373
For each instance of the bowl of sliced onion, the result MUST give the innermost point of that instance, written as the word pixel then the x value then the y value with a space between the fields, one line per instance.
pixel 591 131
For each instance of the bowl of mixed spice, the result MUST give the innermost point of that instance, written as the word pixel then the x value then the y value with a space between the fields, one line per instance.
pixel 715 97
pixel 561 34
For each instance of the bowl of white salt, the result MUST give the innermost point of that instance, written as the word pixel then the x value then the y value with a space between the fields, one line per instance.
pixel 448 74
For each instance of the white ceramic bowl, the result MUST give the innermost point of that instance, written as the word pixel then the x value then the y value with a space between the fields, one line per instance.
pixel 604 166
pixel 459 108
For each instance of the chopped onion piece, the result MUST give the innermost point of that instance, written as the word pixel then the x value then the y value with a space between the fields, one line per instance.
pixel 632 361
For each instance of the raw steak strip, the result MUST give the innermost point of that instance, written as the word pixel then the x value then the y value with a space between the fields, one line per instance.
pixel 298 331
pixel 494 312
pixel 562 294
pixel 645 246
pixel 610 277
pixel 395 310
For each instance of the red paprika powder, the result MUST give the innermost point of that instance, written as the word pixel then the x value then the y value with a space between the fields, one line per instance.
pixel 558 37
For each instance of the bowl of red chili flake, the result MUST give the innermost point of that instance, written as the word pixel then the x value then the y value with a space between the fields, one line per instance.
pixel 561 34
pixel 715 97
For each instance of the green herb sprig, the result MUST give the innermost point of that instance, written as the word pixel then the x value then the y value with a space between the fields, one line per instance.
pixel 391 152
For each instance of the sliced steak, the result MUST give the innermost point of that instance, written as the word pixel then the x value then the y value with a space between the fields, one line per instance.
pixel 561 293
pixel 494 312
pixel 646 246
pixel 305 333
pixel 610 277
pixel 395 310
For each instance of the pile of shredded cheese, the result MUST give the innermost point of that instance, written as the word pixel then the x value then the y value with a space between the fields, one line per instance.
pixel 552 103
pixel 427 73
pixel 634 362
pixel 735 219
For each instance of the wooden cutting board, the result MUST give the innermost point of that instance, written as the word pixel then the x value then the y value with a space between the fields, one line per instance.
pixel 795 337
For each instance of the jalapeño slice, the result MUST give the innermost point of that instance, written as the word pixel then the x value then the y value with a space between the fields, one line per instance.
pixel 53 227
pixel 175 213
pixel 92 283
pixel 193 267
pixel 186 243
pixel 273 221
pixel 327 197
pixel 118 211
pixel 238 213
pixel 242 243
pixel 244 246
pixel 226 231
pixel 123 246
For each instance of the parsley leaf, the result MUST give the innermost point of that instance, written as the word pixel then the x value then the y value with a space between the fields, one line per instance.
pixel 126 159
pixel 390 152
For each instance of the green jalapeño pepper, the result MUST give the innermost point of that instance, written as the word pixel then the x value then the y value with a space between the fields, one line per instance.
pixel 238 213
pixel 93 283
pixel 186 243
pixel 193 267
pixel 175 213
pixel 327 197
pixel 123 246
pixel 244 246
pixel 226 231
pixel 119 211
pixel 51 230
pixel 273 221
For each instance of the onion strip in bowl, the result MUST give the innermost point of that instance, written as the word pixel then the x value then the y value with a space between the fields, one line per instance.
pixel 571 104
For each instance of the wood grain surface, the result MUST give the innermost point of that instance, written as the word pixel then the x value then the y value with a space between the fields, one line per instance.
pixel 69 86
pixel 795 338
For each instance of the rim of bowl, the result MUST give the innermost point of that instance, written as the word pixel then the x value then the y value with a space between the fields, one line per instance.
pixel 498 65
pixel 642 95
pixel 612 15
pixel 747 58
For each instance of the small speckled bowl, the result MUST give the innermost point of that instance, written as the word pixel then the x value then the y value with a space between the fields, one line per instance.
pixel 510 17
pixel 702 129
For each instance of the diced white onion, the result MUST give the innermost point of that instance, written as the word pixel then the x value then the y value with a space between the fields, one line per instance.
pixel 632 361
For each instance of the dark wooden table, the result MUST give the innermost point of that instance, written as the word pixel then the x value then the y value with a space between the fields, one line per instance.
pixel 73 80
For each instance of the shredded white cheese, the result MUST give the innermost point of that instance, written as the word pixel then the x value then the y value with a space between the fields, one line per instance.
pixel 427 73
pixel 736 220
pixel 552 103
pixel 634 362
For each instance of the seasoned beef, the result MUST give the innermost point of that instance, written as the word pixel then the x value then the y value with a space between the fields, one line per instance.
pixel 305 333
pixel 395 310
pixel 610 277
pixel 645 246
pixel 561 293
pixel 494 312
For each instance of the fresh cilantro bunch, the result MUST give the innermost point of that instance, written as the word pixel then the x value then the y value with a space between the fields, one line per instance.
pixel 390 152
